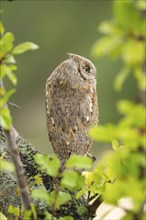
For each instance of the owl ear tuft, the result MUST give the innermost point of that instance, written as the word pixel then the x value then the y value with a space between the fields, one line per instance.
pixel 75 57
pixel 72 55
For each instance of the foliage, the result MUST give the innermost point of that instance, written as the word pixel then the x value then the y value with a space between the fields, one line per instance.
pixel 7 67
pixel 68 180
pixel 125 39
pixel 120 172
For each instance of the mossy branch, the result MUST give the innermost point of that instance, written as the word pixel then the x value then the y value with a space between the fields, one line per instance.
pixel 77 208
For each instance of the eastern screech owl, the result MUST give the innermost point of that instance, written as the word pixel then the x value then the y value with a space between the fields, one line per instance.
pixel 71 106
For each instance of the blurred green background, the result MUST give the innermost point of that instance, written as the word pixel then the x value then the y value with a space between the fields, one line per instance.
pixel 58 27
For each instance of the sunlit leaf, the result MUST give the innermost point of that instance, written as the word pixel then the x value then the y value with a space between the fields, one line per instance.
pixel 141 4
pixel 54 198
pixel 7 70
pixel 103 133
pixel 2 71
pixel 48 216
pixel 107 27
pixel 40 194
pixel 134 114
pixel 133 52
pixel 33 209
pixel 121 78
pixel 129 136
pixel 88 177
pixel 10 59
pixel 115 144
pixel 23 47
pixel 2 217
pixel 14 210
pixel 27 214
pixel 6 97
pixel 105 45
pixel 58 198
pixel 5 118
pixel 10 74
pixel 111 28
pixel 50 165
pixel 6 43
pixel 72 180
pixel 38 179
pixel 5 165
pixel 120 187
pixel 77 161
pixel 128 16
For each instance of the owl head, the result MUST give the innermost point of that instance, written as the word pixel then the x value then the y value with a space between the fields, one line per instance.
pixel 86 68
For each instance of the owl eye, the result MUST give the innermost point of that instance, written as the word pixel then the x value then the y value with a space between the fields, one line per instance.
pixel 87 69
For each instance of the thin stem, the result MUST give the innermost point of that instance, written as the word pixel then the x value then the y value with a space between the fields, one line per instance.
pixel 20 175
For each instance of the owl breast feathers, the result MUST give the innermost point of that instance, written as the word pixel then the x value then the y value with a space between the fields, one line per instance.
pixel 71 106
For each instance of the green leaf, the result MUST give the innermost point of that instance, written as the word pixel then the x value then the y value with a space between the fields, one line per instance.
pixel 121 78
pixel 2 29
pixel 133 52
pixel 106 27
pixel 7 70
pixel 141 4
pixel 115 144
pixel 14 210
pixel 48 216
pixel 33 209
pixel 134 114
pixel 2 217
pixel 50 165
pixel 5 118
pixel 2 71
pixel 103 133
pixel 55 198
pixel 5 165
pixel 10 74
pixel 131 187
pixel 6 43
pixel 72 180
pixel 23 47
pixel 125 106
pixel 5 98
pixel 80 162
pixel 128 16
pixel 27 215
pixel 129 137
pixel 10 59
pixel 106 45
pixel 110 28
pixel 40 194
pixel 58 198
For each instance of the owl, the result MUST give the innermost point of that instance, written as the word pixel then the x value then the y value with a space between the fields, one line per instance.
pixel 71 106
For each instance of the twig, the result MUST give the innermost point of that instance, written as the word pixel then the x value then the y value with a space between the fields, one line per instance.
pixel 15 156
pixel 13 105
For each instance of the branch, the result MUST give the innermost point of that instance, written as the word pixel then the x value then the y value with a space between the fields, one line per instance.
pixel 15 156
pixel 77 208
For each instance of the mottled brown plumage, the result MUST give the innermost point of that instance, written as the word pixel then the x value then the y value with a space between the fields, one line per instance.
pixel 71 106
